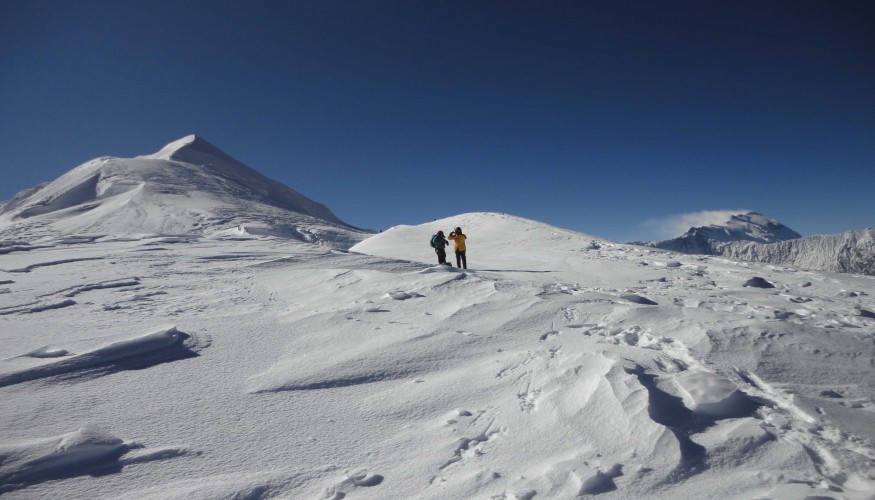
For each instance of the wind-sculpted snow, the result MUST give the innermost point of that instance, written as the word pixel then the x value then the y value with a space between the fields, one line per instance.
pixel 31 267
pixel 407 359
pixel 136 353
pixel 86 451
pixel 16 246
pixel 260 484
pixel 573 368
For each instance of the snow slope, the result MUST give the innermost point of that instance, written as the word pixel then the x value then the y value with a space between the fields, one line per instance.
pixel 188 188
pixel 559 366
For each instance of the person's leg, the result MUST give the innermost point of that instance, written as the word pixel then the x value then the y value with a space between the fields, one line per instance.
pixel 459 255
pixel 464 261
pixel 442 256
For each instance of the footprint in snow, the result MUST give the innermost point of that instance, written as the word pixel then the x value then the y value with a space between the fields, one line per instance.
pixel 350 483
pixel 549 335
pixel 477 431
pixel 602 481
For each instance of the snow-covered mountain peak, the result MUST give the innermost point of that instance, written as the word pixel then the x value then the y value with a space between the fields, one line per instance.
pixel 189 187
pixel 192 149
pixel 752 236
pixel 168 150
pixel 749 226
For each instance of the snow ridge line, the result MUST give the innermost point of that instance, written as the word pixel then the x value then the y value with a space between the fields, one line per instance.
pixel 141 352
pixel 63 298
pixel 31 267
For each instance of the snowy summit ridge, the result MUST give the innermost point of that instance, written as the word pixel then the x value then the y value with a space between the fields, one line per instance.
pixel 187 149
pixel 189 187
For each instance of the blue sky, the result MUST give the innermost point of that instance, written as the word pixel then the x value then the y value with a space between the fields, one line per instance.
pixel 611 118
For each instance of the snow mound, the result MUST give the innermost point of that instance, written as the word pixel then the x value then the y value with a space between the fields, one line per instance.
pixel 35 461
pixel 495 241
pixel 89 450
pixel 758 282
pixel 708 394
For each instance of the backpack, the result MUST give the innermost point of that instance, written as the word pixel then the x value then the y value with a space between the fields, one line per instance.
pixel 432 240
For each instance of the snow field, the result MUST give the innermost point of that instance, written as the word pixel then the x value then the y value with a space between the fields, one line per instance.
pixel 313 373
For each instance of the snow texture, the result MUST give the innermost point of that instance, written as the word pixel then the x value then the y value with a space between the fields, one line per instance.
pixel 560 365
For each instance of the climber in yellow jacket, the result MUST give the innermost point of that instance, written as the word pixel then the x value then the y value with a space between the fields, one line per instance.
pixel 459 244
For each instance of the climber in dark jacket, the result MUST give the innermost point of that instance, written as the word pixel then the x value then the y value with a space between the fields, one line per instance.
pixel 439 243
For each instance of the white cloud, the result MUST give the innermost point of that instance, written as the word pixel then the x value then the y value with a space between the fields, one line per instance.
pixel 672 226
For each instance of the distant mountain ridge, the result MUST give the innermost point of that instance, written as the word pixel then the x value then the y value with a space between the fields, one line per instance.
pixel 754 237
pixel 189 187
pixel 750 226
pixel 848 252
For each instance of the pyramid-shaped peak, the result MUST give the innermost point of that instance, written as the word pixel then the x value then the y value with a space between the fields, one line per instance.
pixel 191 148
pixel 189 140
pixel 188 187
